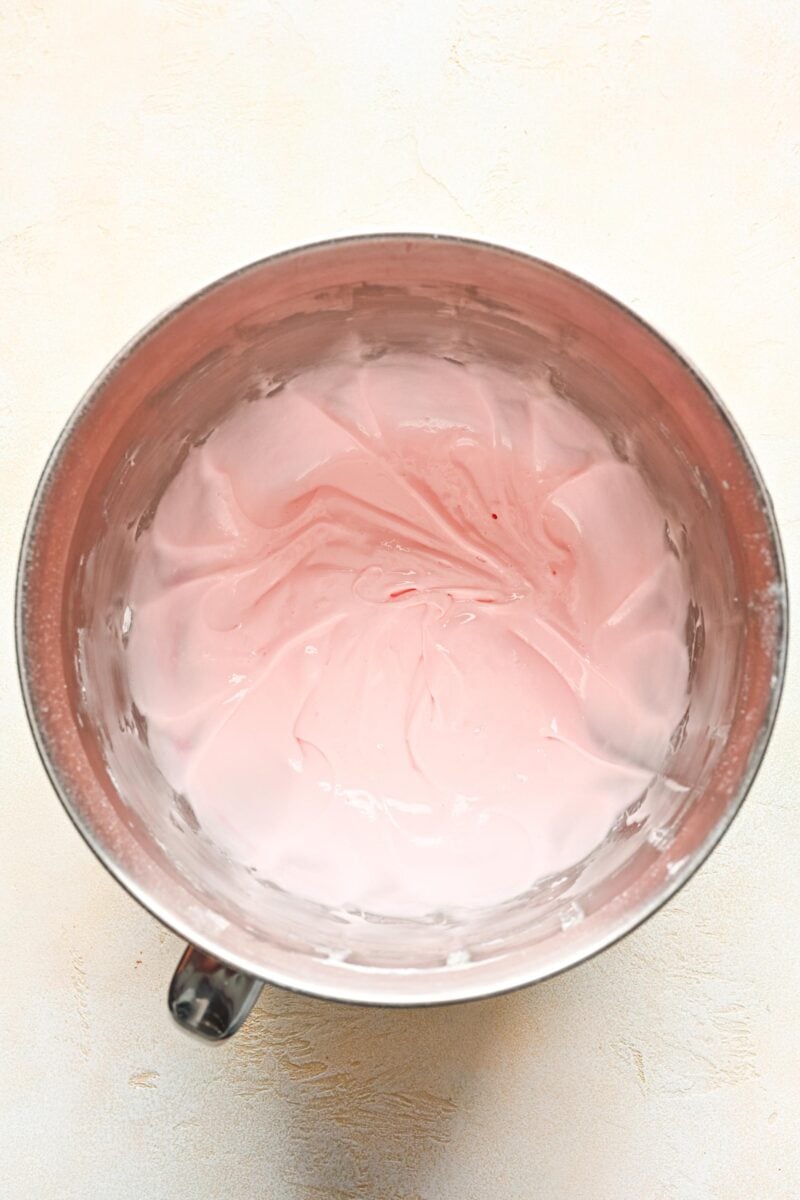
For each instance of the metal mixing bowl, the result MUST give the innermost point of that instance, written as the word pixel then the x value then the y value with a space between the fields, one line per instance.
pixel 167 390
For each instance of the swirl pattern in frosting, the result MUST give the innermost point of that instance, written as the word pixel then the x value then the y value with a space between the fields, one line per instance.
pixel 407 635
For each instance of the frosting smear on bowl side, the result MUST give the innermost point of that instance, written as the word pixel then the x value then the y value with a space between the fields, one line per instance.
pixel 407 635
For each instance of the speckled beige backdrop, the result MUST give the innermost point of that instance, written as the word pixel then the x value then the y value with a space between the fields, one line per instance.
pixel 146 147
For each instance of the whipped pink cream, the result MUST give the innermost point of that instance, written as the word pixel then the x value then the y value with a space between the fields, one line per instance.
pixel 407 635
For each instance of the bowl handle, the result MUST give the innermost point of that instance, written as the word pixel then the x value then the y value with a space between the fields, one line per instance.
pixel 209 998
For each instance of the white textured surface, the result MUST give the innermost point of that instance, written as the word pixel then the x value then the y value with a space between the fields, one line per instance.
pixel 147 147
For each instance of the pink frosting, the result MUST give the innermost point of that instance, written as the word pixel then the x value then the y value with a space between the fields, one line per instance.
pixel 407 635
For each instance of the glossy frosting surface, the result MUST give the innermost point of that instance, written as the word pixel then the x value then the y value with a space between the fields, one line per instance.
pixel 407 635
